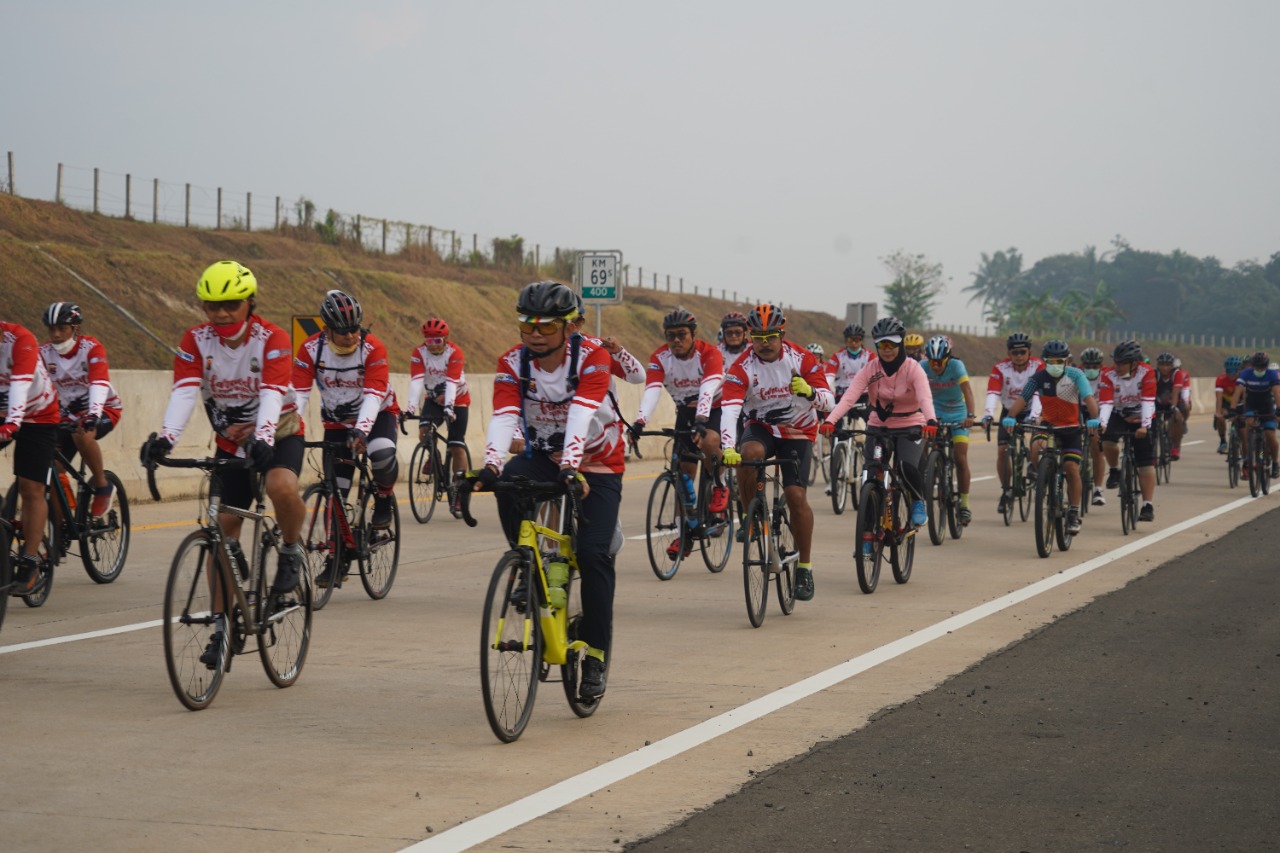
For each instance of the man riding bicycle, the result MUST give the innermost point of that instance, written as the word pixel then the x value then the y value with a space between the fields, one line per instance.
pixel 357 405
pixel 1224 389
pixel 692 371
pixel 733 337
pixel 1127 394
pixel 782 389
pixel 953 405
pixel 1091 366
pixel 556 383
pixel 1062 390
pixel 1172 396
pixel 437 367
pixel 29 404
pixel 1258 388
pixel 91 408
pixel 1008 377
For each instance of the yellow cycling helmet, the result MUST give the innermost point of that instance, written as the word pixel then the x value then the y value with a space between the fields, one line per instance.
pixel 913 340
pixel 226 281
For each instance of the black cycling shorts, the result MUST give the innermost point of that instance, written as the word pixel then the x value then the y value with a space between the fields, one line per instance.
pixel 684 421
pixel 433 412
pixel 1143 453
pixel 237 484
pixel 800 449
pixel 33 447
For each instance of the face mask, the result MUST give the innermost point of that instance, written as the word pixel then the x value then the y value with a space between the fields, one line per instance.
pixel 232 331
pixel 344 350
pixel 1055 370
pixel 1259 373
pixel 1091 372
pixel 66 346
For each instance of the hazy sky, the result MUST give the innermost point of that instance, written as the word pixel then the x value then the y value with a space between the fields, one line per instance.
pixel 779 149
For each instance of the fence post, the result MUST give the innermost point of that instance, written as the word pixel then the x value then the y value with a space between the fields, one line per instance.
pixel 640 279
pixel 219 208
pixel 277 213
pixel 655 282
pixel 431 237
pixel 475 246
pixel 95 189
pixel 57 193
pixel 384 235
pixel 735 296
pixel 155 200
pixel 128 196
pixel 537 256
pixel 12 191
pixel 187 217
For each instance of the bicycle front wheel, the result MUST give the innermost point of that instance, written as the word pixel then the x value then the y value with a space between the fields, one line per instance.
pixel 756 558
pixel 286 628
pixel 379 551
pixel 510 647
pixel 951 500
pixel 321 546
pixel 1061 504
pixel 1044 508
pixel 903 553
pixel 104 542
pixel 664 527
pixel 190 624
pixel 1026 490
pixel 1255 458
pixel 716 529
pixel 571 671
pixel 422 489
pixel 839 477
pixel 935 497
pixel 1233 460
pixel 6 571
pixel 869 538
pixel 784 540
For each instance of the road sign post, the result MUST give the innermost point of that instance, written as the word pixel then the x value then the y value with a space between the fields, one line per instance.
pixel 599 280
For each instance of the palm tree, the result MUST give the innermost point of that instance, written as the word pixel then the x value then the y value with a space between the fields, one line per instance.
pixel 995 282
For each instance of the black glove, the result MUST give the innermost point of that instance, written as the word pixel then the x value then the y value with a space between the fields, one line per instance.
pixel 357 435
pixel 155 447
pixel 636 429
pixel 571 478
pixel 485 477
pixel 89 423
pixel 700 427
pixel 261 453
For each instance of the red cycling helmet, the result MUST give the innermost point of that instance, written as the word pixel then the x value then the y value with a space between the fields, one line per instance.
pixel 435 328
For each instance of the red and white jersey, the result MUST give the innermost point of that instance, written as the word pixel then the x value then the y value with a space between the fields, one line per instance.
pixel 83 380
pixel 354 388
pixel 731 357
pixel 1133 397
pixel 1183 379
pixel 843 366
pixel 628 368
pixel 563 414
pixel 248 384
pixel 442 376
pixel 762 390
pixel 694 381
pixel 26 393
pixel 1006 382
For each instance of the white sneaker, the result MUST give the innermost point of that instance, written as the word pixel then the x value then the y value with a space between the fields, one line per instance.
pixel 1098 499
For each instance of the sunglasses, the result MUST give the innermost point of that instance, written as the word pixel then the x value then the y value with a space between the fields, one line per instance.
pixel 1055 361
pixel 434 342
pixel 764 339
pixel 887 345
pixel 676 335
pixel 853 340
pixel 1020 351
pixel 548 327
pixel 231 305
pixel 347 330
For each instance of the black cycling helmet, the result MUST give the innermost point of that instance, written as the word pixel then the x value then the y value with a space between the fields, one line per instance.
pixel 766 317
pixel 1091 357
pixel 853 330
pixel 1165 358
pixel 549 299
pixel 888 327
pixel 1018 339
pixel 63 313
pixel 678 318
pixel 1259 360
pixel 340 311
pixel 733 318
pixel 1127 351
pixel 1056 349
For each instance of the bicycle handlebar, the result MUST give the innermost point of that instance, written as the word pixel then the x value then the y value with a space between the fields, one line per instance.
pixel 522 486
pixel 206 464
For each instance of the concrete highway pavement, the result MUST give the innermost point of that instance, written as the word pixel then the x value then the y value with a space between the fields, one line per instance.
pixel 382 744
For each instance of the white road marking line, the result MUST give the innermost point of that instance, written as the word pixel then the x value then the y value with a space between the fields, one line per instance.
pixel 488 826
pixel 71 638
pixel 1189 443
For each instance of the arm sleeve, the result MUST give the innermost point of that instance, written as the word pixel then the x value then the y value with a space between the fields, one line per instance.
pixel 304 372
pixel 712 379
pixel 377 384
pixel 277 381
pixel 99 379
pixel 1106 399
pixel 1148 398
pixel 593 386
pixel 26 357
pixel 188 373
pixel 995 382
pixel 630 367
pixel 453 375
pixel 506 415
pixel 417 380
pixel 655 378
pixel 735 387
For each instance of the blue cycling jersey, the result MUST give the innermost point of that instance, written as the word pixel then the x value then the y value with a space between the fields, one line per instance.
pixel 948 389
pixel 1257 390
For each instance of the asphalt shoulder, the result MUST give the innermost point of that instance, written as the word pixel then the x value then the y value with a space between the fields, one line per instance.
pixel 1147 720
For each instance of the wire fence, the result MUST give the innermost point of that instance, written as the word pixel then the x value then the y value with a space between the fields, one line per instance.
pixel 126 196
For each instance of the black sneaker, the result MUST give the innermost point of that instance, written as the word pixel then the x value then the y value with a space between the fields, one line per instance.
pixel 804 584
pixel 382 508
pixel 1073 522
pixel 26 576
pixel 1148 513
pixel 287 574
pixel 1275 470
pixel 594 675
pixel 326 577
pixel 212 655
pixel 1004 502
pixel 1113 478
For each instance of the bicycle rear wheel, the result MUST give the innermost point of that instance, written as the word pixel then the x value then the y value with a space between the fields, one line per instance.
pixel 104 542
pixel 839 477
pixel 6 571
pixel 1044 508
pixel 716 530
pixel 189 623
pixel 321 543
pixel 784 539
pixel 935 497
pixel 902 553
pixel 869 538
pixel 664 524
pixel 422 487
pixel 1061 504
pixel 571 671
pixel 1256 461
pixel 286 633
pixel 379 550
pixel 756 558
pixel 510 647
pixel 1027 479
pixel 1233 459
pixel 952 500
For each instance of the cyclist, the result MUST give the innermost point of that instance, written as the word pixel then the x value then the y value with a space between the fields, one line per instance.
pixel 1224 389
pixel 692 371
pixel 1062 390
pixel 913 344
pixel 90 406
pixel 29 403
pixel 1169 391
pixel 1127 394
pixel 1258 388
pixel 845 363
pixel 818 352
pixel 240 366
pixel 556 383
pixel 357 404
pixel 1091 365
pixel 953 404
pixel 733 337
pixel 781 388
pixel 1008 377
pixel 438 367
